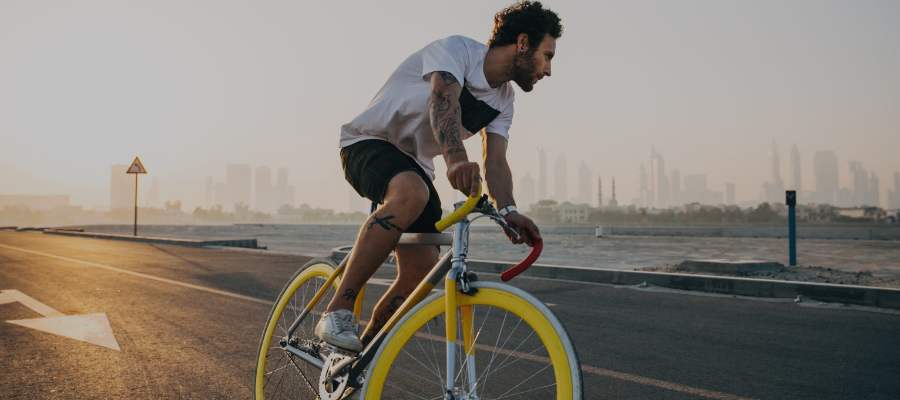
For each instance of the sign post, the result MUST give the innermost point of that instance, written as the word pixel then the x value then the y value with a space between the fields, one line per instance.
pixel 791 201
pixel 136 168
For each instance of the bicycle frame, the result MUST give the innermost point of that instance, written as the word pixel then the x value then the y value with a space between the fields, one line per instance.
pixel 451 265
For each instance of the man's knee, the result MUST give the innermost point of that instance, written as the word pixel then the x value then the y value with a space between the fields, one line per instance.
pixel 409 191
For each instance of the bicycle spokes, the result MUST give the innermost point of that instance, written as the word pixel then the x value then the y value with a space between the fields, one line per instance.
pixel 497 356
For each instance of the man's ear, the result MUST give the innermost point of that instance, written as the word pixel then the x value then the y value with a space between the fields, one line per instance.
pixel 522 42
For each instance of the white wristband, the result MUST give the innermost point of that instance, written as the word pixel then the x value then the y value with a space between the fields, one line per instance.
pixel 507 210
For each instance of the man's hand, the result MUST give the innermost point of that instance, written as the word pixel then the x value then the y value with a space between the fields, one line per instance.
pixel 464 176
pixel 524 226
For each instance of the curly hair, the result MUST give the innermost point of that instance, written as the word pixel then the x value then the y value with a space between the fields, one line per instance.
pixel 529 17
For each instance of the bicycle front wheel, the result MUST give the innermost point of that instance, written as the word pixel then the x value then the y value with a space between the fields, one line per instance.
pixel 280 374
pixel 509 346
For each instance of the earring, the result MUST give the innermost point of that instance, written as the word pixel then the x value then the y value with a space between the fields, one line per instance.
pixel 521 50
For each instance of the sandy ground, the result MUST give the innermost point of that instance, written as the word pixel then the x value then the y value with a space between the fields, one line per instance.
pixel 878 258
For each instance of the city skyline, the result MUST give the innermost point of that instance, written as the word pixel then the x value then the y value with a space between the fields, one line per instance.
pixel 859 186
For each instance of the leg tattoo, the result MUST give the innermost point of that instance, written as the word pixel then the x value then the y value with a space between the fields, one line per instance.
pixel 349 294
pixel 381 320
pixel 384 223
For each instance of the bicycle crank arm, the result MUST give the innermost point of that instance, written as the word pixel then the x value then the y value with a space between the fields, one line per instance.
pixel 315 362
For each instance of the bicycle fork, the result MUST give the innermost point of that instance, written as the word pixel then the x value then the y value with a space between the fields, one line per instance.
pixel 459 317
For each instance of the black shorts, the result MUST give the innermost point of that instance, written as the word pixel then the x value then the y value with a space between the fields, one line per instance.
pixel 370 164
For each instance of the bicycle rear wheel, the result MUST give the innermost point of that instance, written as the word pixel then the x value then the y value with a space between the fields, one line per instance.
pixel 521 351
pixel 279 374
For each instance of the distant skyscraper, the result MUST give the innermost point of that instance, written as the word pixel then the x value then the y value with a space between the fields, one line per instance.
pixel 561 179
pixel 894 195
pixel 599 191
pixel 525 196
pixel 238 179
pixel 542 174
pixel 873 197
pixel 612 202
pixel 284 193
pixel 659 182
pixel 584 184
pixel 825 169
pixel 676 188
pixel 210 193
pixel 643 193
pixel 795 171
pixel 265 192
pixel 153 194
pixel 773 190
pixel 729 194
pixel 121 188
pixel 857 182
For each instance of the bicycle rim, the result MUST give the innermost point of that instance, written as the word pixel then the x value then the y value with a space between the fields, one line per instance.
pixel 279 374
pixel 521 351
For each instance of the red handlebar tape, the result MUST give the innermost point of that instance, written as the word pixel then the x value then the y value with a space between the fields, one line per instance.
pixel 522 266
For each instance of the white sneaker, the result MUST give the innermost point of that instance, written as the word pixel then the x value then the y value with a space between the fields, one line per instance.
pixel 340 328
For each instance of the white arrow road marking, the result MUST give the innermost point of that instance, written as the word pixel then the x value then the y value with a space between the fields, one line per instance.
pixel 91 328
pixel 6 299
pixel 33 304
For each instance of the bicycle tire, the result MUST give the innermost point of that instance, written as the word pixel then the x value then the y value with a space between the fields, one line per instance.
pixel 273 362
pixel 392 376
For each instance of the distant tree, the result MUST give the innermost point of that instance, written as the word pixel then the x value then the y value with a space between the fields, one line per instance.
pixel 176 206
pixel 213 214
pixel 763 214
pixel 547 202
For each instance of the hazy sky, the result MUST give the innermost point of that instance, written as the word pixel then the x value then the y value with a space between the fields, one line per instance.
pixel 190 86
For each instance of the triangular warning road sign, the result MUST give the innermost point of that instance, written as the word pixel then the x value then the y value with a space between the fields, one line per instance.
pixel 136 167
pixel 91 328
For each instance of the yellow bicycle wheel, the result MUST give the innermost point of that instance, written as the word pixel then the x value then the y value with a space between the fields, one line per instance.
pixel 518 350
pixel 279 374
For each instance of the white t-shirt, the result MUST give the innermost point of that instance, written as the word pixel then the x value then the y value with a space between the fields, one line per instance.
pixel 399 112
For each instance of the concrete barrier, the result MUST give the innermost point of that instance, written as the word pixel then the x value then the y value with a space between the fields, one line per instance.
pixel 768 232
pixel 830 293
pixel 244 243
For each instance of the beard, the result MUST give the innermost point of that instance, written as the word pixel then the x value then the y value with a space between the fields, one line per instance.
pixel 522 70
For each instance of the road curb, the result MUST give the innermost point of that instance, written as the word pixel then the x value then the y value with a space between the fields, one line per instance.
pixel 244 243
pixel 829 293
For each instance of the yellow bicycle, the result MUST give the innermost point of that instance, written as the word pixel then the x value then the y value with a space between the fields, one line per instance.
pixel 472 340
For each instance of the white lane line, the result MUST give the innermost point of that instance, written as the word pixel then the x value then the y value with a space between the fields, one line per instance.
pixel 585 368
pixel 33 304
pixel 138 274
pixel 380 281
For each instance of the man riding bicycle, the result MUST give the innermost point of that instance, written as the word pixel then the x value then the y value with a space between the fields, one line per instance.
pixel 438 97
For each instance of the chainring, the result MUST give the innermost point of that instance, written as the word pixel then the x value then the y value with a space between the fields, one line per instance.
pixel 332 387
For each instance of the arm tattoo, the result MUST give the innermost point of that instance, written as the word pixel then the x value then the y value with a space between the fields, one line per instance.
pixel 448 78
pixel 384 223
pixel 445 122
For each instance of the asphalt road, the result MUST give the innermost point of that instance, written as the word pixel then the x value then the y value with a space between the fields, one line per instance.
pixel 188 323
